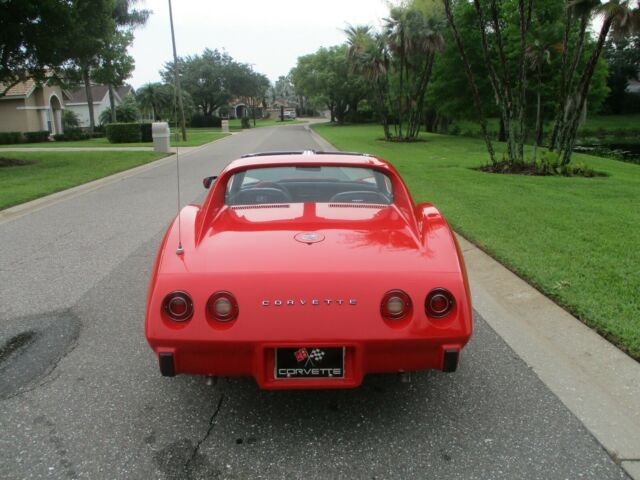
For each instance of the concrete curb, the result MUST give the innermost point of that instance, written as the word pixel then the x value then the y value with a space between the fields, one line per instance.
pixel 599 383
pixel 26 208
pixel 596 381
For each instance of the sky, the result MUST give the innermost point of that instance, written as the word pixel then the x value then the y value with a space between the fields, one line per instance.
pixel 268 34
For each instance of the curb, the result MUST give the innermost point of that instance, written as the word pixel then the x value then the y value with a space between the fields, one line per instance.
pixel 31 206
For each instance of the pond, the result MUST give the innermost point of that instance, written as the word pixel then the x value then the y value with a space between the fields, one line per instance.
pixel 625 151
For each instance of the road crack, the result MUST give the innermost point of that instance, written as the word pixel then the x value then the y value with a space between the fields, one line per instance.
pixel 212 422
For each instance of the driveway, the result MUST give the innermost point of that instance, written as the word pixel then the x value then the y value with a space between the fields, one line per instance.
pixel 81 395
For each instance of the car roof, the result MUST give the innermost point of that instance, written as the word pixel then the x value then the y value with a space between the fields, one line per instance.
pixel 310 157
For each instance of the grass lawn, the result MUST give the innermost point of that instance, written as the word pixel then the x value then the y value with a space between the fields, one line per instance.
pixel 235 123
pixel 55 171
pixel 576 239
pixel 195 137
pixel 594 122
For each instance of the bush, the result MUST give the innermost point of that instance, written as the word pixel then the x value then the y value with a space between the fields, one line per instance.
pixel 7 138
pixel 71 134
pixel 145 132
pixel 69 120
pixel 123 132
pixel 36 137
pixel 245 122
pixel 198 120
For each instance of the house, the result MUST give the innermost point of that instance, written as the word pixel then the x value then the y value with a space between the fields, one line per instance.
pixel 78 101
pixel 30 106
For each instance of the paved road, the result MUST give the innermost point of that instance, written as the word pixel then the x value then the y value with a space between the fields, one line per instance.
pixel 81 396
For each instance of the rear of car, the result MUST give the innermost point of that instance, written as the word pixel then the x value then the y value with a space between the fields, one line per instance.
pixel 309 273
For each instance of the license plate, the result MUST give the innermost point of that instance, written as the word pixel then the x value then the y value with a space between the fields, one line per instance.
pixel 310 362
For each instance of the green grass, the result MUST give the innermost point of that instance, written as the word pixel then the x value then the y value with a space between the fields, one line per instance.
pixel 576 239
pixel 594 122
pixel 195 137
pixel 235 123
pixel 55 171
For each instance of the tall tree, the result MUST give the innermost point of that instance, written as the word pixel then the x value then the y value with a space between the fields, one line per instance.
pixel 326 78
pixel 623 16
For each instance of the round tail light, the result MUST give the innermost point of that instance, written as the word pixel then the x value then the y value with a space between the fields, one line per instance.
pixel 222 306
pixel 439 303
pixel 395 305
pixel 178 306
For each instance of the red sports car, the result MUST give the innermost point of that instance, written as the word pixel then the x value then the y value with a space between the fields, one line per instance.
pixel 308 270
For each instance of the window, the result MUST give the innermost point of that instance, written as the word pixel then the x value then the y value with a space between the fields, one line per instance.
pixel 299 184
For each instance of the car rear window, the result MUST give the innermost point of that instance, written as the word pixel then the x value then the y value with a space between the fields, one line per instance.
pixel 300 184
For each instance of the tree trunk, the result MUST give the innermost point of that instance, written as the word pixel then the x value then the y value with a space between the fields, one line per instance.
pixel 569 136
pixel 536 141
pixel 87 88
pixel 472 81
pixel 112 104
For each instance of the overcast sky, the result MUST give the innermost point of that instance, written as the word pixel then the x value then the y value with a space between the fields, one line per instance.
pixel 270 35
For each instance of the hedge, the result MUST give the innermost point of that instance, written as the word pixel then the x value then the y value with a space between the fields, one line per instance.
pixel 124 132
pixel 71 134
pixel 198 120
pixel 36 137
pixel 145 132
pixel 7 138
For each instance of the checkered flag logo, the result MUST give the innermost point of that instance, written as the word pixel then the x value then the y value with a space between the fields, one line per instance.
pixel 316 355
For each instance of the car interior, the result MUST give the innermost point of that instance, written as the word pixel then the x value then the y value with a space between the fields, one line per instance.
pixel 301 184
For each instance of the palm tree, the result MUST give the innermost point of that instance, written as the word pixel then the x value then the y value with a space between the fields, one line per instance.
pixel 624 19
pixel 369 56
pixel 155 97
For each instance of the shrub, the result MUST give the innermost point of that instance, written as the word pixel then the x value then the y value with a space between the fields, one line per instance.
pixel 7 138
pixel 69 120
pixel 71 134
pixel 145 132
pixel 123 132
pixel 198 120
pixel 245 122
pixel 36 137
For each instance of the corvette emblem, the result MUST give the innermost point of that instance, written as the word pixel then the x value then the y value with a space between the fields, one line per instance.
pixel 309 237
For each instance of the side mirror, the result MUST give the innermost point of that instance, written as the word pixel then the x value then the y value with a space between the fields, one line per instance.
pixel 208 181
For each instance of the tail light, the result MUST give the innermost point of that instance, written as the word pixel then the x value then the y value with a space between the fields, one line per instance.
pixel 178 306
pixel 395 305
pixel 439 303
pixel 222 306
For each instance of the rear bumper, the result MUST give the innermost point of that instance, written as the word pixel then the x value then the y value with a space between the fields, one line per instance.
pixel 258 360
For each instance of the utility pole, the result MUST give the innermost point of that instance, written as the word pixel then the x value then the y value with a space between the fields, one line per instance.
pixel 177 76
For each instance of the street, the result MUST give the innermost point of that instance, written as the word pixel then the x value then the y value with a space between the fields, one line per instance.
pixel 81 395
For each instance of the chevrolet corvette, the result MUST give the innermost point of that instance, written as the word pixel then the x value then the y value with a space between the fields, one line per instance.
pixel 308 270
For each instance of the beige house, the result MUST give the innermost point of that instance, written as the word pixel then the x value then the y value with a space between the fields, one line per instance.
pixel 78 102
pixel 30 106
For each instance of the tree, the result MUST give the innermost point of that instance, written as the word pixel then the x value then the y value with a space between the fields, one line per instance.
pixel 623 16
pixel 325 77
pixel 251 87
pixel 155 97
pixel 623 59
pixel 472 80
pixel 399 60
pixel 34 38
pixel 115 65
pixel 92 27
pixel 211 79
pixel 127 111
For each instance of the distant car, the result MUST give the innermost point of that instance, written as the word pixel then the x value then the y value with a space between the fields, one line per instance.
pixel 289 115
pixel 308 270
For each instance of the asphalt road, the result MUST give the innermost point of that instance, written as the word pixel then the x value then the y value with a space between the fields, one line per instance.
pixel 81 395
